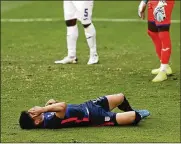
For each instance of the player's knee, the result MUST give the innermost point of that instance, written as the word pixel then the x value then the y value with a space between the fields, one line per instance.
pixel 90 30
pixel 152 27
pixel 86 25
pixel 120 96
pixel 71 22
pixel 86 22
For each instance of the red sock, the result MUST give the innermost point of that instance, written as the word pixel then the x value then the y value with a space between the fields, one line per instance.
pixel 166 48
pixel 157 42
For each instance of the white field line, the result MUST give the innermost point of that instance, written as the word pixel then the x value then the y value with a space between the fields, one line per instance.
pixel 26 20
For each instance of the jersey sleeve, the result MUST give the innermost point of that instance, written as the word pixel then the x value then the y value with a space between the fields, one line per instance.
pixel 51 121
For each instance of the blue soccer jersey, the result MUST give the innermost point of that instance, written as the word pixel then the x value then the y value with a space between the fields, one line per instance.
pixel 91 113
pixel 76 115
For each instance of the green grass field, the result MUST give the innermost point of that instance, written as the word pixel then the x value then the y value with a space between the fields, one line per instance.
pixel 29 76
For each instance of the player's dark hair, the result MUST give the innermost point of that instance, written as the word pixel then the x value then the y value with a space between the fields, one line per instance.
pixel 25 121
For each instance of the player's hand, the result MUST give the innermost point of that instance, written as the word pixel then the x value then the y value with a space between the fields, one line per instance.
pixel 51 101
pixel 141 9
pixel 159 11
pixel 35 111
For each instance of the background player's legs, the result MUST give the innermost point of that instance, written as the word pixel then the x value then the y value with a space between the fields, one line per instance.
pixel 72 32
pixel 166 48
pixel 72 35
pixel 85 9
pixel 90 34
pixel 153 33
pixel 164 35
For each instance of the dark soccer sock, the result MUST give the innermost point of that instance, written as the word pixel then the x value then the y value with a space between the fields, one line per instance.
pixel 137 118
pixel 125 106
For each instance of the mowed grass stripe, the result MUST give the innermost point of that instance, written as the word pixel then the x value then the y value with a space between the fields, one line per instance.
pixel 57 19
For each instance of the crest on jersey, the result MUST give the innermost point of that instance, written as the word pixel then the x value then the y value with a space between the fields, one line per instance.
pixel 107 118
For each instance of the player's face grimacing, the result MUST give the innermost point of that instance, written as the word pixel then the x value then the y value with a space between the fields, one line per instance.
pixel 37 117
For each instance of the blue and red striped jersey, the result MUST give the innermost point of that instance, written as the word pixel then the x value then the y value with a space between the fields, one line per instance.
pixel 76 115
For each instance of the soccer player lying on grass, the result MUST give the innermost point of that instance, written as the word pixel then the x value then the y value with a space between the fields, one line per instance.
pixel 96 112
pixel 159 20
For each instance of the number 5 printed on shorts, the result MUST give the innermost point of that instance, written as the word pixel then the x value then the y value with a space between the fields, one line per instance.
pixel 86 14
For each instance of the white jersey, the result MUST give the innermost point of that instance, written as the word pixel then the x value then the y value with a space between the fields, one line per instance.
pixel 81 10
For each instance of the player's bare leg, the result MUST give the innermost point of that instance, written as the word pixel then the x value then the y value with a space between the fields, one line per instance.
pixel 127 118
pixel 120 101
pixel 72 35
pixel 130 116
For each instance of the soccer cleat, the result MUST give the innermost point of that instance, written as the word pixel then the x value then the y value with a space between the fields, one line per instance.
pixel 168 71
pixel 143 113
pixel 67 60
pixel 93 59
pixel 160 77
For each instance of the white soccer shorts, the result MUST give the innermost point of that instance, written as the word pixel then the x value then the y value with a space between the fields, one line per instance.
pixel 81 10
